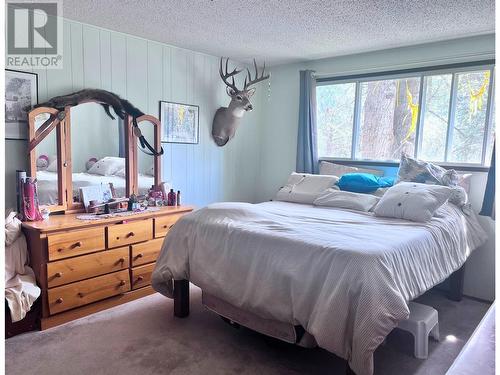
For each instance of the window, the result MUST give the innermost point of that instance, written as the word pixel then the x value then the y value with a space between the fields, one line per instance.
pixel 441 115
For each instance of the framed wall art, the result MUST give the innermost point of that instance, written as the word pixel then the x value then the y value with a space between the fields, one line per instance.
pixel 21 94
pixel 180 122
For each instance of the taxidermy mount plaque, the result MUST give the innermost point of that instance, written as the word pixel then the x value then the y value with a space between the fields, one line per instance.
pixel 227 119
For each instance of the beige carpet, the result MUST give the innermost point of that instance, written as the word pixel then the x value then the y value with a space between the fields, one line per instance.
pixel 143 337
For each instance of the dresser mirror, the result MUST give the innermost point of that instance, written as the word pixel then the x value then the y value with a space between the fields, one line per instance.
pixel 81 148
pixel 97 151
pixel 145 161
pixel 47 166
pixel 148 165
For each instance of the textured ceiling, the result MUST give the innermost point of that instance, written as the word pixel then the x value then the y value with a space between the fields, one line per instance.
pixel 288 30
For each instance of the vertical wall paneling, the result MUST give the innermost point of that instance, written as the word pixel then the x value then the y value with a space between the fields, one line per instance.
pixel 146 72
pixel 167 96
pixel 91 57
pixel 105 59
pixel 75 55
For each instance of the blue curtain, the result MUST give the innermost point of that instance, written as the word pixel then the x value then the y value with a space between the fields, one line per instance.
pixel 121 138
pixel 307 153
pixel 488 208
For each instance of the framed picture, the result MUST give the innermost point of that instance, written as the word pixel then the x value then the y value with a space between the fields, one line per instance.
pixel 180 123
pixel 21 93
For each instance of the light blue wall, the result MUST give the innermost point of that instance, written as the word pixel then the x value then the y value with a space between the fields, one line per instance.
pixel 146 72
pixel 280 120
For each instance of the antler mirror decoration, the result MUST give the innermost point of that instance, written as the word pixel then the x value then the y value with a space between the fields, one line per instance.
pixel 227 119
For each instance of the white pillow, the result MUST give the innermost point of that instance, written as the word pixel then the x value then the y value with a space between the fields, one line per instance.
pixel 327 168
pixel 151 170
pixel 347 199
pixel 121 173
pixel 52 166
pixel 305 188
pixel 464 181
pixel 107 166
pixel 412 201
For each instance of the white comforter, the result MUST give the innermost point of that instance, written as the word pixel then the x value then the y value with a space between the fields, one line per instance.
pixel 345 276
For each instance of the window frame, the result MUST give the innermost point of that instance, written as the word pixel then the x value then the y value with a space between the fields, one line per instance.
pixel 421 73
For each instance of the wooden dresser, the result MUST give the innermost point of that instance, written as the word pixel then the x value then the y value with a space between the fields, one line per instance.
pixel 87 266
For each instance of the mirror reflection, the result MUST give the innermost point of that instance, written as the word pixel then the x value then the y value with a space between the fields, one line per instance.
pixel 46 165
pixel 97 153
pixel 145 162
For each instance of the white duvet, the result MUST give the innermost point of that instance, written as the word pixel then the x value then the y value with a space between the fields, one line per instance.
pixel 345 276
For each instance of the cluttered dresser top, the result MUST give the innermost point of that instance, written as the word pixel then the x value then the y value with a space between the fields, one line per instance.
pixel 70 221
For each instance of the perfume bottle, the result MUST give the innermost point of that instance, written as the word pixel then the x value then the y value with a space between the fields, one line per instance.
pixel 171 198
pixel 178 197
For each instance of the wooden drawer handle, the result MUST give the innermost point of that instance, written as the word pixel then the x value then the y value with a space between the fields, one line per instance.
pixel 130 234
pixel 139 279
pixel 59 300
pixel 81 295
pixel 122 282
pixel 75 245
pixel 140 255
pixel 58 274
pixel 168 226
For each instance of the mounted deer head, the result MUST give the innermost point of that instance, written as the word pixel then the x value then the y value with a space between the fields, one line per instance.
pixel 227 119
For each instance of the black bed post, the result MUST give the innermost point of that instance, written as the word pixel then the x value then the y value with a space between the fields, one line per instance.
pixel 457 284
pixel 181 298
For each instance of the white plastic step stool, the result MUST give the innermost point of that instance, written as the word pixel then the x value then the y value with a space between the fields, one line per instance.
pixel 423 320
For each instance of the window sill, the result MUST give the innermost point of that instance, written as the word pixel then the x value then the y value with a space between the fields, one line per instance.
pixel 381 163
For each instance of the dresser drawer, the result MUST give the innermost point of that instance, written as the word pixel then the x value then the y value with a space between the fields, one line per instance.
pixel 84 292
pixel 78 242
pixel 146 252
pixel 69 270
pixel 141 276
pixel 131 232
pixel 164 223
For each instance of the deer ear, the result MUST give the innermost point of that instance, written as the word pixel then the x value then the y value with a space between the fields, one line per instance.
pixel 230 91
pixel 250 92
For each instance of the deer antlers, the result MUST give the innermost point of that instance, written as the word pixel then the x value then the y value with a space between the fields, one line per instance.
pixel 225 75
pixel 257 78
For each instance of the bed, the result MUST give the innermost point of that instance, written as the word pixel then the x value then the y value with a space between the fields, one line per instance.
pixel 345 276
pixel 48 191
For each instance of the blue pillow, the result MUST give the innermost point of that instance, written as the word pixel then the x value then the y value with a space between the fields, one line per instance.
pixel 363 182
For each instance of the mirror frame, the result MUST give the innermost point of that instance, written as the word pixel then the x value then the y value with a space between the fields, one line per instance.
pixel 133 151
pixel 38 135
pixel 64 162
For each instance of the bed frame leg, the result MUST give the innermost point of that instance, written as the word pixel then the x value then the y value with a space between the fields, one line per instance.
pixel 181 298
pixel 457 284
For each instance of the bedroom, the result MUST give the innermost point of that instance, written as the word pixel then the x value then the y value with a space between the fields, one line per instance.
pixel 340 91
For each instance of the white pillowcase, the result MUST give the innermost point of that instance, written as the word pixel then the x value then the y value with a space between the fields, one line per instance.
pixel 151 170
pixel 305 188
pixel 327 168
pixel 52 167
pixel 347 199
pixel 108 166
pixel 412 201
pixel 121 172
